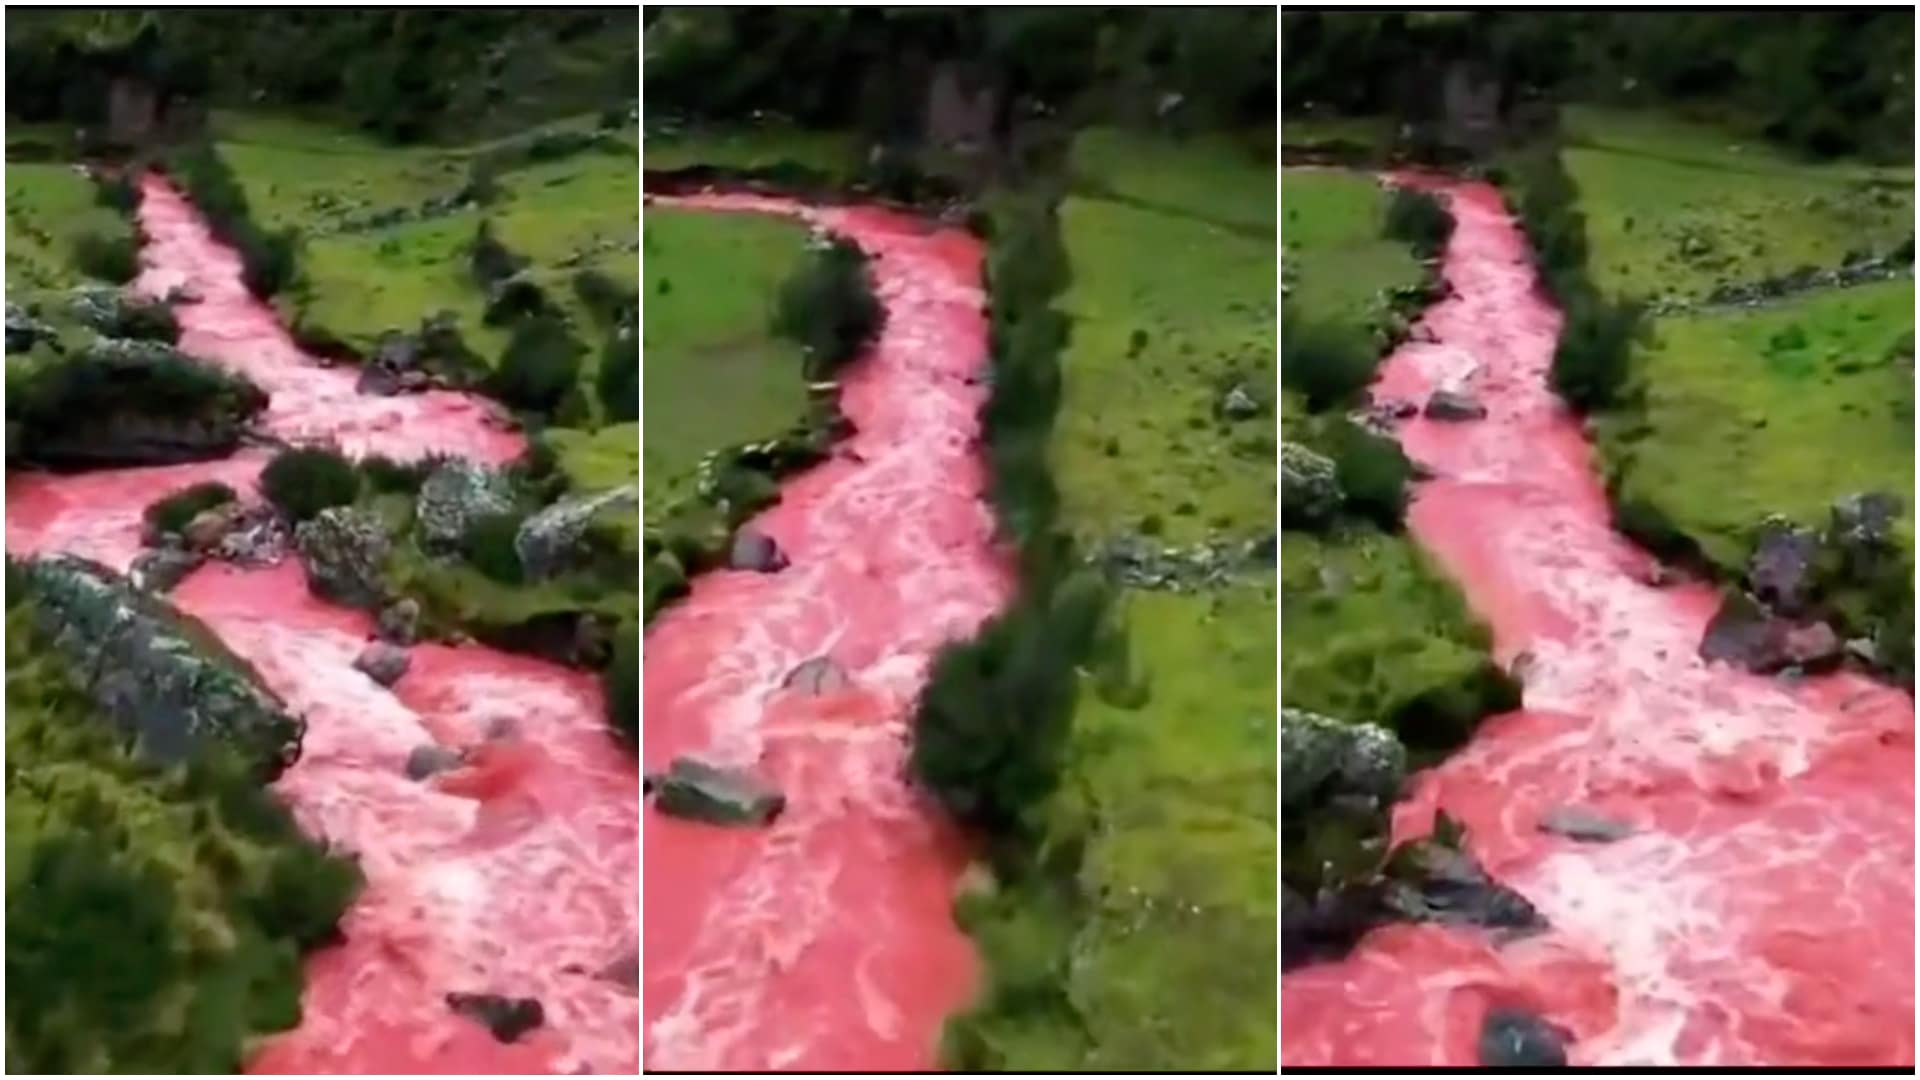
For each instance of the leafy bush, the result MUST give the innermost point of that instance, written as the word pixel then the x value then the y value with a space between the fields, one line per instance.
pixel 109 258
pixel 1373 472
pixel 828 306
pixel 148 320
pixel 604 297
pixel 171 513
pixel 618 380
pixel 540 367
pixel 488 545
pixel 1592 359
pixel 116 191
pixel 489 259
pixel 268 258
pixel 1417 218
pixel 621 684
pixel 1326 363
pixel 306 480
pixel 384 475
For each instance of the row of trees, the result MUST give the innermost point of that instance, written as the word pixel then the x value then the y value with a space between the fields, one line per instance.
pixel 1828 82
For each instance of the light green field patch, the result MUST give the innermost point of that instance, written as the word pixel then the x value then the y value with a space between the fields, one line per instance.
pixel 1168 314
pixel 1163 944
pixel 1679 207
pixel 49 207
pixel 1216 178
pixel 1780 410
pixel 361 285
pixel 1340 268
pixel 299 170
pixel 713 373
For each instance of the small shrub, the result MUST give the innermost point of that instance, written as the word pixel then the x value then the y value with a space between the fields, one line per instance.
pixel 386 476
pixel 604 297
pixel 171 513
pixel 1373 474
pixel 116 192
pixel 618 380
pixel 622 684
pixel 1418 219
pixel 489 259
pixel 109 258
pixel 306 480
pixel 488 545
pixel 540 367
pixel 828 306
pixel 1324 362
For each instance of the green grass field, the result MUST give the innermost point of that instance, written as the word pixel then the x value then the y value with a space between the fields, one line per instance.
pixel 564 215
pixel 1677 207
pixel 49 207
pixel 1158 953
pixel 1339 266
pixel 1171 307
pixel 714 373
pixel 1779 410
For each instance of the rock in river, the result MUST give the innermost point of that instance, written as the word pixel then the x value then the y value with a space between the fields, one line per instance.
pixel 1581 823
pixel 162 677
pixel 399 622
pixel 507 1017
pixel 344 550
pixel 381 662
pixel 1454 405
pixel 817 676
pixel 427 759
pixel 755 550
pixel 1321 756
pixel 720 796
pixel 1517 1039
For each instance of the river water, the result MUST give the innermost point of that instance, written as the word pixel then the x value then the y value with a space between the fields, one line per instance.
pixel 516 874
pixel 1762 912
pixel 826 940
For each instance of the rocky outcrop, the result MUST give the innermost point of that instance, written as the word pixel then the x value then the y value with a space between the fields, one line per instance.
pixel 112 313
pixel 756 551
pixel 399 622
pixel 1321 757
pixel 1433 880
pixel 551 542
pixel 1139 562
pixel 23 330
pixel 160 569
pixel 1780 571
pixel 507 1017
pixel 454 495
pixel 1745 634
pixel 162 677
pixel 1517 1039
pixel 719 796
pixel 1309 487
pixel 344 550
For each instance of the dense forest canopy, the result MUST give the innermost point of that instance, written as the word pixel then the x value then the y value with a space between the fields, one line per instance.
pixel 1828 82
pixel 405 74
pixel 868 67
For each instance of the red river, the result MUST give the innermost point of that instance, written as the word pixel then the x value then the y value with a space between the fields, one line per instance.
pixel 826 940
pixel 1762 912
pixel 516 874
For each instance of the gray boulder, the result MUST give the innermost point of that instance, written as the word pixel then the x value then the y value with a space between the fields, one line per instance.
pixel 455 495
pixel 1239 403
pixel 257 536
pixel 1309 486
pixel 1517 1039
pixel 428 759
pixel 1581 823
pixel 399 622
pixel 381 662
pixel 1780 571
pixel 550 542
pixel 817 676
pixel 24 330
pixel 160 569
pixel 698 791
pixel 1745 634
pixel 1321 757
pixel 161 676
pixel 344 551
pixel 1448 404
pixel 755 550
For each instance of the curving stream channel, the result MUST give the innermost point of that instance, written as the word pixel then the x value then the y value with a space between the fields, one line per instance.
pixel 515 874
pixel 826 940
pixel 1761 912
